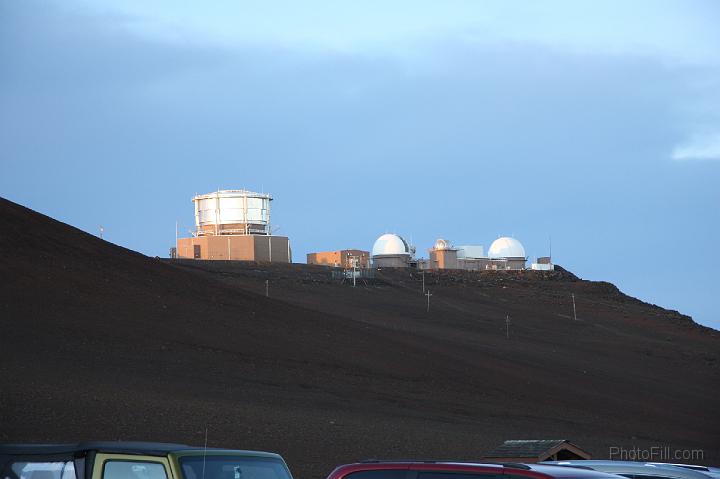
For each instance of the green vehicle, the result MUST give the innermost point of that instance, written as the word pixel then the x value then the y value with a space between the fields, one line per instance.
pixel 136 460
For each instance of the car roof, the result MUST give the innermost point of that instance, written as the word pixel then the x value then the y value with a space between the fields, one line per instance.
pixel 632 467
pixel 571 472
pixel 433 465
pixel 118 447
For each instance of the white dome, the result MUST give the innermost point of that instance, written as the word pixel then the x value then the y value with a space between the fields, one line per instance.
pixel 506 248
pixel 441 245
pixel 390 244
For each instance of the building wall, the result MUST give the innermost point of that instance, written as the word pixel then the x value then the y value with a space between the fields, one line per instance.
pixel 327 258
pixel 515 263
pixel 473 264
pixel 340 258
pixel 272 248
pixel 236 247
pixel 506 263
pixel 444 259
pixel 470 251
pixel 363 258
pixel 542 267
pixel 391 261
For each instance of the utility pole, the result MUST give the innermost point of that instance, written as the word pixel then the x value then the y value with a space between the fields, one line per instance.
pixel 353 262
pixel 423 275
pixel 267 288
pixel 574 310
pixel 507 326
pixel 428 294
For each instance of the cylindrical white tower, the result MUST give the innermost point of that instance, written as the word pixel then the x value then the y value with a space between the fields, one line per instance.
pixel 232 212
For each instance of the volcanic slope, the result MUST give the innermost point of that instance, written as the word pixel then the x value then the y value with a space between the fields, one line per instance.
pixel 99 342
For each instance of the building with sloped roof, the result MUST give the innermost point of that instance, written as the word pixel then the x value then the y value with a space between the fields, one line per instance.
pixel 536 450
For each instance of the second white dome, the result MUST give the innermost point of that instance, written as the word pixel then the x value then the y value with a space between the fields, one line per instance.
pixel 506 247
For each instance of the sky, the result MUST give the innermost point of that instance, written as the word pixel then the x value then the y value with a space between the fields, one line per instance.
pixel 591 125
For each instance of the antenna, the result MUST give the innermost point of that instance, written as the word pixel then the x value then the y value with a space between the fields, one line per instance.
pixel 550 236
pixel 204 452
pixel 428 294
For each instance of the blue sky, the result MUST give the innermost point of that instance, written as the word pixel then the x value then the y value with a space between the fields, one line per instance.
pixel 594 123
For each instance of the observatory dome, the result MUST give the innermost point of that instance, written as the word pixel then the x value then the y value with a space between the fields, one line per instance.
pixel 442 244
pixel 390 244
pixel 506 248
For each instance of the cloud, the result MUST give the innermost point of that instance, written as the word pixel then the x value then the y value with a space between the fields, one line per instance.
pixel 701 146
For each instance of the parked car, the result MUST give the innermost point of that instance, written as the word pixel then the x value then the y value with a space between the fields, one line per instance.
pixel 635 470
pixel 561 472
pixel 459 470
pixel 710 471
pixel 136 460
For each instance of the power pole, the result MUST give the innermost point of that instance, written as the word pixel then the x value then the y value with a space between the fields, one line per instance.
pixel 267 288
pixel 507 326
pixel 574 310
pixel 428 294
pixel 423 275
pixel 353 261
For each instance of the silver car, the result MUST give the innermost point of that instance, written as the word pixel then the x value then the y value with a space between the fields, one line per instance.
pixel 713 472
pixel 636 470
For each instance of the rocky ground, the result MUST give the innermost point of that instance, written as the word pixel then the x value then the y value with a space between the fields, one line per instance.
pixel 99 342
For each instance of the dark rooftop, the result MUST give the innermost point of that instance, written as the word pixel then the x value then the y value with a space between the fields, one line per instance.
pixel 525 447
pixel 119 447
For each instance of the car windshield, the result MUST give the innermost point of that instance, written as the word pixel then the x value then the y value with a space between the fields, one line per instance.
pixel 233 467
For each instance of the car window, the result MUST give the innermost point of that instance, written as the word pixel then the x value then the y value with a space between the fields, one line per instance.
pixel 44 470
pixel 379 474
pixel 233 467
pixel 133 470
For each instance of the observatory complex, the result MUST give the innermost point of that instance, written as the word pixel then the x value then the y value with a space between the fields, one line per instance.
pixel 233 225
pixel 505 253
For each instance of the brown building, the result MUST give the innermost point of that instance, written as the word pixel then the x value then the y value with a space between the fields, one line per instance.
pixel 342 258
pixel 274 249
pixel 443 259
pixel 531 451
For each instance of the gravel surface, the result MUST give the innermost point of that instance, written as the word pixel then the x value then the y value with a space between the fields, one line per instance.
pixel 100 342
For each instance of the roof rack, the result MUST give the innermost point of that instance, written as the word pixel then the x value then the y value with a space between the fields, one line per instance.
pixel 513 465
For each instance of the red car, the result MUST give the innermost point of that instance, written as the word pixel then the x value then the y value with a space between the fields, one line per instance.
pixel 459 470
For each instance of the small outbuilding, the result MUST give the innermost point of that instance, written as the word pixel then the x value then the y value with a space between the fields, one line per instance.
pixel 536 450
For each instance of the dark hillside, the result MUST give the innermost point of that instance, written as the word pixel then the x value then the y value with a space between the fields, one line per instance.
pixel 99 342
